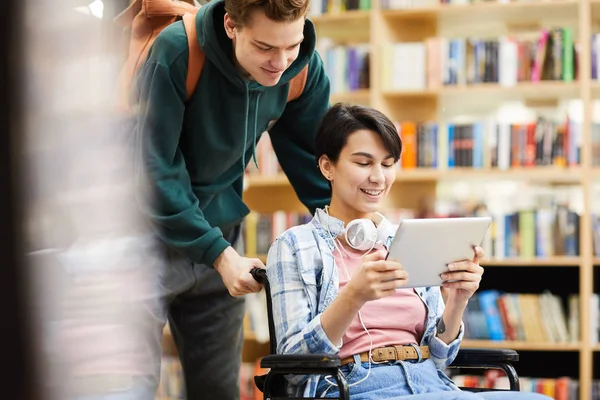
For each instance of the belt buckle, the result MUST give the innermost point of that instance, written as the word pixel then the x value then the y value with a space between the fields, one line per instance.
pixel 373 361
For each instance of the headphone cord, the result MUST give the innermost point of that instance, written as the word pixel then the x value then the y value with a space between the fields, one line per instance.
pixel 348 276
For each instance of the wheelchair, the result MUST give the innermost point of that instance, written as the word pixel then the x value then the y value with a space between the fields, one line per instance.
pixel 272 384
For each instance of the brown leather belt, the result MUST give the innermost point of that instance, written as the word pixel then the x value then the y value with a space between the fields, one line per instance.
pixel 391 353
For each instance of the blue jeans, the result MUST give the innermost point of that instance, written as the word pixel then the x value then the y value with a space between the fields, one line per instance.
pixel 406 380
pixel 124 347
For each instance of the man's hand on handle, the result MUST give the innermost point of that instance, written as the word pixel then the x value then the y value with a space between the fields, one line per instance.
pixel 235 271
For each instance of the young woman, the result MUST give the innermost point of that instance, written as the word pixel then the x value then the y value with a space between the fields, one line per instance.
pixel 330 298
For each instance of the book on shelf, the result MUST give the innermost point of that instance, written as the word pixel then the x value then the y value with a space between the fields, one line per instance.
pixel 405 4
pixel 595 56
pixel 596 233
pixel 346 65
pixel 595 137
pixel 256 320
pixel 527 317
pixel 268 165
pixel 440 61
pixel 323 7
pixel 594 321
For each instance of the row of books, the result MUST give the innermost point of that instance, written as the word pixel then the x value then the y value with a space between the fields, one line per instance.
pixel 401 4
pixel 483 143
pixel 546 231
pixel 563 388
pixel 528 234
pixel 461 2
pixel 536 318
pixel 346 66
pixel 439 61
pixel 337 6
pixel 341 5
pixel 320 7
pixel 488 143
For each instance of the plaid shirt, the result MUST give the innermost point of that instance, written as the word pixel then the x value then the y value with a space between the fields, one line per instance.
pixel 304 281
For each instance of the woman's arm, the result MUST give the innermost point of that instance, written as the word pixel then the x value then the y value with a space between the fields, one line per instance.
pixel 466 276
pixel 443 347
pixel 296 331
pixel 449 325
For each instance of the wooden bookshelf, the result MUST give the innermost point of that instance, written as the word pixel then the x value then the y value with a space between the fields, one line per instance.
pixel 529 90
pixel 538 174
pixel 359 96
pixel 557 261
pixel 501 11
pixel 270 193
pixel 520 345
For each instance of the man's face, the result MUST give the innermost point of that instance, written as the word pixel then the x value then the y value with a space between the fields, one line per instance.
pixel 264 48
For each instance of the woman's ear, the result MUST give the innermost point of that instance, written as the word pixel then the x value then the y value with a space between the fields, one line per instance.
pixel 326 167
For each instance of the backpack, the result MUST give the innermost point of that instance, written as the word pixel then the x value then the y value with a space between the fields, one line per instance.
pixel 145 19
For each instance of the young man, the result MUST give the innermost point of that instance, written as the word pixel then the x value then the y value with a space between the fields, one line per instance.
pixel 193 155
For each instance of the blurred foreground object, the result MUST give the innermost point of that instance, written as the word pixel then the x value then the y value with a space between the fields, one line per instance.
pixel 89 264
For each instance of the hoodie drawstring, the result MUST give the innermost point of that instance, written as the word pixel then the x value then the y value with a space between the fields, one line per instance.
pixel 255 128
pixel 246 128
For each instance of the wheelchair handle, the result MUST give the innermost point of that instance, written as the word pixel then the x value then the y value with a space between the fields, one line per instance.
pixel 260 274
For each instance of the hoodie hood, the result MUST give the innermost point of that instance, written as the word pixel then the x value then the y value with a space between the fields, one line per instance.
pixel 218 48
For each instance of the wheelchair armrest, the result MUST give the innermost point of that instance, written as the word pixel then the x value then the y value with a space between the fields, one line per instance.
pixel 477 357
pixel 489 358
pixel 300 361
pixel 272 384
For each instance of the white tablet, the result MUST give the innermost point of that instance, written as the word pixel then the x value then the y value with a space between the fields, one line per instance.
pixel 426 246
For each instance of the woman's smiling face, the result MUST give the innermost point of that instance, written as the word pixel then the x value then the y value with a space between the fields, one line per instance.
pixel 362 176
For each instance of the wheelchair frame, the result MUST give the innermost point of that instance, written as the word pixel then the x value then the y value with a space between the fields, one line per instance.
pixel 273 383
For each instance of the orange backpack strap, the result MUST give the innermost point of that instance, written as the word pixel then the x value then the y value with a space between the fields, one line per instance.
pixel 297 84
pixel 196 55
pixel 144 20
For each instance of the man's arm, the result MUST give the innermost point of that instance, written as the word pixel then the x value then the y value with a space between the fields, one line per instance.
pixel 163 183
pixel 164 187
pixel 293 138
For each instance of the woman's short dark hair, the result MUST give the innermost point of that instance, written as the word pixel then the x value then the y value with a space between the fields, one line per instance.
pixel 342 120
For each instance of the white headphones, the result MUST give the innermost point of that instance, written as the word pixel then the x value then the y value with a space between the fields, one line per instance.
pixel 364 233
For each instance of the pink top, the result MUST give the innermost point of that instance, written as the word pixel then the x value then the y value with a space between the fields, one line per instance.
pixel 394 320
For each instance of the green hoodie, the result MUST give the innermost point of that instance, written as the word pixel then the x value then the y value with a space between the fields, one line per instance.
pixel 194 156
